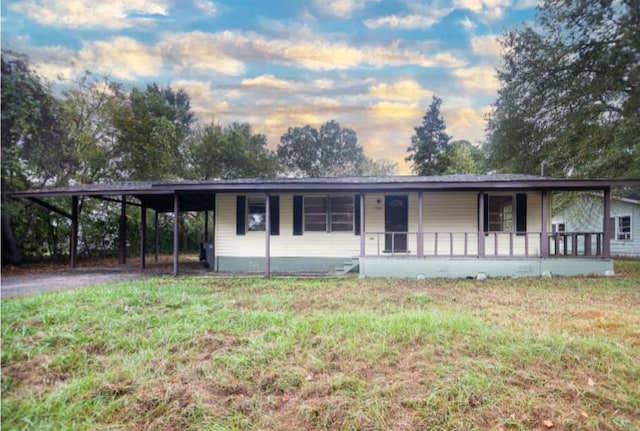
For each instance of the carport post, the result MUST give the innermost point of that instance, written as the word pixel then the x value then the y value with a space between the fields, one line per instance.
pixel 206 226
pixel 606 226
pixel 122 243
pixel 143 235
pixel 267 231
pixel 73 245
pixel 544 235
pixel 176 225
pixel 156 239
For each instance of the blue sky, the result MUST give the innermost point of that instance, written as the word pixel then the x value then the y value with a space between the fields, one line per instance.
pixel 371 65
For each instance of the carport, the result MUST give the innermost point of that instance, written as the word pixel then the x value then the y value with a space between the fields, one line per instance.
pixel 157 196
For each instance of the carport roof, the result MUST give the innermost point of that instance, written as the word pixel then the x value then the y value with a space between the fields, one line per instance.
pixel 159 195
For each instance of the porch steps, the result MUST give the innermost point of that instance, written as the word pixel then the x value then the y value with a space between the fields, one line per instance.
pixel 350 265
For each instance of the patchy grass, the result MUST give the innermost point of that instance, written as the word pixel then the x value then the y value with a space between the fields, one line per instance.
pixel 236 354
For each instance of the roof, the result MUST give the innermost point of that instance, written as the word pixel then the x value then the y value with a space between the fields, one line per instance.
pixel 159 195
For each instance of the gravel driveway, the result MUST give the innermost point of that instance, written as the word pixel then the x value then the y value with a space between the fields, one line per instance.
pixel 13 285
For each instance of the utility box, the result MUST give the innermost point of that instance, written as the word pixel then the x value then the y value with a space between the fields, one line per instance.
pixel 206 254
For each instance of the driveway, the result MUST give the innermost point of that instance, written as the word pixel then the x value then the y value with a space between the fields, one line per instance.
pixel 24 284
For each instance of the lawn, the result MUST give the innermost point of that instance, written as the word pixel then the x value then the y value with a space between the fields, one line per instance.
pixel 339 353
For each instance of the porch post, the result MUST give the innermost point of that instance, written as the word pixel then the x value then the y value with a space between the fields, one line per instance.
pixel 73 244
pixel 420 227
pixel 206 226
pixel 176 237
pixel 544 234
pixel 362 230
pixel 606 226
pixel 267 232
pixel 143 235
pixel 481 202
pixel 122 244
pixel 156 239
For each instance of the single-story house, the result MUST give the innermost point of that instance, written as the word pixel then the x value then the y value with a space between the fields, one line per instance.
pixel 584 213
pixel 400 226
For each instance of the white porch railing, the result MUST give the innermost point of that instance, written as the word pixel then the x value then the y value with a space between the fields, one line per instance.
pixel 496 244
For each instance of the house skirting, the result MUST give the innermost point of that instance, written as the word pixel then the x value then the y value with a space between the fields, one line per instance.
pixel 279 264
pixel 403 267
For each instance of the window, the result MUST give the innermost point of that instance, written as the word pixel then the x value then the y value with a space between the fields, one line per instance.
pixel 500 213
pixel 328 214
pixel 620 227
pixel 256 214
pixel 558 227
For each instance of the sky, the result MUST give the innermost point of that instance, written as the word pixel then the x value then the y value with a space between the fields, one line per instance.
pixel 371 65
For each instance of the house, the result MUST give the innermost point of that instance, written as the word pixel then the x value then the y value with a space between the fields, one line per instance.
pixel 584 213
pixel 401 226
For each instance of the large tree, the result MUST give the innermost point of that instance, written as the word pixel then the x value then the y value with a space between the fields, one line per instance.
pixel 330 151
pixel 229 152
pixel 464 158
pixel 430 143
pixel 35 151
pixel 151 133
pixel 570 92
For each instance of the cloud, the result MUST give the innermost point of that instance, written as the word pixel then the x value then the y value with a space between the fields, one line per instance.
pixel 487 45
pixel 199 52
pixel 341 8
pixel 488 9
pixel 207 7
pixel 82 14
pixel 394 111
pixel 269 81
pixel 408 21
pixel 121 57
pixel 467 24
pixel 480 78
pixel 466 123
pixel 207 103
pixel 407 89
pixel 224 51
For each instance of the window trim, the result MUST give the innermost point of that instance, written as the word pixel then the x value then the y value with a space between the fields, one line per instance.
pixel 513 212
pixel 255 200
pixel 329 213
pixel 616 227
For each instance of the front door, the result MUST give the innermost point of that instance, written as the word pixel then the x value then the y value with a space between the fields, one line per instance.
pixel 396 223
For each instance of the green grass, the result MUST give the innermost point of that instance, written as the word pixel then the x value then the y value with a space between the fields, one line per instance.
pixel 236 354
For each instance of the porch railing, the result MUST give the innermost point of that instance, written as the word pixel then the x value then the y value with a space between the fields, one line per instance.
pixel 496 244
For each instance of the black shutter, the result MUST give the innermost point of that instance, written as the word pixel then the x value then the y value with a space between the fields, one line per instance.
pixel 356 214
pixel 297 215
pixel 486 213
pixel 274 214
pixel 241 215
pixel 521 213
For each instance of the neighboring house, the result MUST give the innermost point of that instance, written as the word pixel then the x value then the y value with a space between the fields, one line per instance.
pixel 585 214
pixel 404 226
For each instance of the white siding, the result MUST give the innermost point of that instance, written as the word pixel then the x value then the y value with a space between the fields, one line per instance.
pixel 252 244
pixel 585 215
pixel 450 214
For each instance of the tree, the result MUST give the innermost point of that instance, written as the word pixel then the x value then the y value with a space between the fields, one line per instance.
pixel 89 108
pixel 570 92
pixel 376 167
pixel 35 149
pixel 331 151
pixel 464 158
pixel 151 134
pixel 430 143
pixel 230 152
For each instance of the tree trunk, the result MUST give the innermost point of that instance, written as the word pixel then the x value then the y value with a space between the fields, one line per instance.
pixel 10 249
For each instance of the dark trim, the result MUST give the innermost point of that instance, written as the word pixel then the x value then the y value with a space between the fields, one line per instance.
pixel 399 184
pixel 241 215
pixel 521 213
pixel 274 215
pixel 50 207
pixel 73 251
pixel 356 213
pixel 297 214
pixel 122 232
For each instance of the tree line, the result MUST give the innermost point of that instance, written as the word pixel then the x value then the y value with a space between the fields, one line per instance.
pixel 568 104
